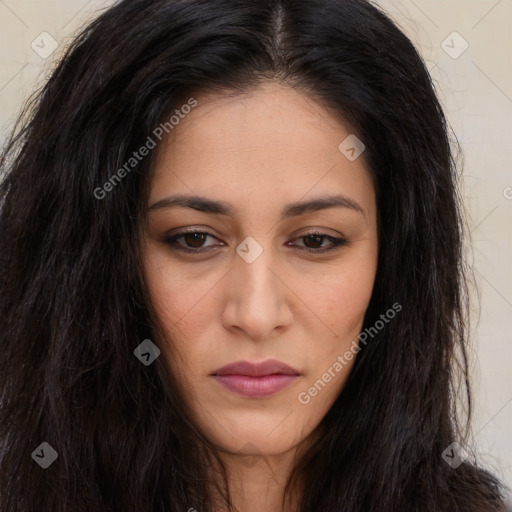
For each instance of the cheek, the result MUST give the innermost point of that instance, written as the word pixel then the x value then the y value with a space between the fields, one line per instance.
pixel 331 358
pixel 182 308
pixel 349 303
pixel 179 298
pixel 343 297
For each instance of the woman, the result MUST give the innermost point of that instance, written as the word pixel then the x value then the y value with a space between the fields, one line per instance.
pixel 231 272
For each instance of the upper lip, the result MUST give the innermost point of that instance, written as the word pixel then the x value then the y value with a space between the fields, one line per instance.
pixel 269 367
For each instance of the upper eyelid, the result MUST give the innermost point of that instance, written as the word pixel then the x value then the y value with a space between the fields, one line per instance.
pixel 313 232
pixel 337 241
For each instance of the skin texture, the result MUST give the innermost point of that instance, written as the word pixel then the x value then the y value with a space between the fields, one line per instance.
pixel 259 152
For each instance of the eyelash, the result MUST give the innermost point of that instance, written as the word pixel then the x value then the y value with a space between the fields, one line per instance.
pixel 172 241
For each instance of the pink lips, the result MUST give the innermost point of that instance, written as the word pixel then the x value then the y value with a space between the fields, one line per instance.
pixel 255 379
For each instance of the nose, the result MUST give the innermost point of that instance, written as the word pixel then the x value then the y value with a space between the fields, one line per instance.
pixel 258 298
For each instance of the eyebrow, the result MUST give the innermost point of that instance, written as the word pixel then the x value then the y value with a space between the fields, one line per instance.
pixel 206 205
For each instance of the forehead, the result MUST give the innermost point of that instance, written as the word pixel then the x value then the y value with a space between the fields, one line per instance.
pixel 270 141
pixel 268 120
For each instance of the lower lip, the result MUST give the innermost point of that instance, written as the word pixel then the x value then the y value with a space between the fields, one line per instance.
pixel 255 386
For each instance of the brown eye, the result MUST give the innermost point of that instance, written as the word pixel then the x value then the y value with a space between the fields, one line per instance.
pixel 313 242
pixel 195 239
pixel 194 242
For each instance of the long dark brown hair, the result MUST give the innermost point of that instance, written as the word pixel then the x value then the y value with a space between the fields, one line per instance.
pixel 73 304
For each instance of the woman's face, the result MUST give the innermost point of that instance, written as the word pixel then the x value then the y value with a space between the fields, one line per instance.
pixel 260 286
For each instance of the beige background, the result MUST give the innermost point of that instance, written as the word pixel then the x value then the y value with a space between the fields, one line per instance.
pixel 476 91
